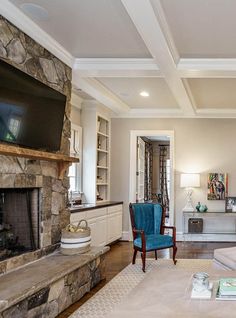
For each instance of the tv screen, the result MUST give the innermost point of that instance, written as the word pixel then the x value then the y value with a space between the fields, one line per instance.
pixel 31 113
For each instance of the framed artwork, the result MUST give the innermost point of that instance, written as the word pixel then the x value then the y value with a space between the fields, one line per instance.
pixel 230 204
pixel 217 186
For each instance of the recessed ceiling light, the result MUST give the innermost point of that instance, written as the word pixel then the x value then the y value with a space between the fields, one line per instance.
pixel 144 94
pixel 35 11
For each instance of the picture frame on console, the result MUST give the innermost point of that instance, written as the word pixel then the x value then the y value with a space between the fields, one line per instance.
pixel 230 204
pixel 217 186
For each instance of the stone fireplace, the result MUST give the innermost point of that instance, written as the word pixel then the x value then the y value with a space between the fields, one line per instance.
pixel 19 221
pixel 33 206
pixel 28 183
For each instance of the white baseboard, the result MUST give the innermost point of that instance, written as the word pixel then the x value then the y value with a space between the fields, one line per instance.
pixel 125 236
pixel 202 237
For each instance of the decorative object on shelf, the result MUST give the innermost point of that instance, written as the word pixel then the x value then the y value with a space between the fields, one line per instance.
pixel 198 206
pixel 217 186
pixel 99 142
pixel 230 204
pixel 98 124
pixel 189 181
pixel 203 208
pixel 76 239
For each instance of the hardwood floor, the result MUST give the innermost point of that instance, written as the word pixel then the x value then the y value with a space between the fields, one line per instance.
pixel 121 254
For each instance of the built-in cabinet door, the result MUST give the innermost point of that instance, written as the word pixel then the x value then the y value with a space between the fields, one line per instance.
pixel 114 226
pixel 101 226
pixel 98 230
pixel 92 224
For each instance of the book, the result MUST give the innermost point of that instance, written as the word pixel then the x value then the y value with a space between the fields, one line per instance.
pixel 220 297
pixel 227 287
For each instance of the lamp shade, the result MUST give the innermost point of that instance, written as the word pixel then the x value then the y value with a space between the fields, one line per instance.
pixel 189 180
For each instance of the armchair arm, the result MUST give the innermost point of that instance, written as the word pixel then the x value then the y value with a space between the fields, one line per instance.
pixel 173 228
pixel 142 234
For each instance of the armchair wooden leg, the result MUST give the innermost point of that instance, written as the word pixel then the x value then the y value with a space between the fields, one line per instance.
pixel 134 256
pixel 174 254
pixel 144 260
pixel 156 254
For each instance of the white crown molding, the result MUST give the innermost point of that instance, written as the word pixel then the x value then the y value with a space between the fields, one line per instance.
pixel 99 92
pixel 117 67
pixel 20 20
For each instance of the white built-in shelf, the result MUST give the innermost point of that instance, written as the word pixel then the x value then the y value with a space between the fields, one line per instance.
pixel 103 154
pixel 102 150
pixel 102 134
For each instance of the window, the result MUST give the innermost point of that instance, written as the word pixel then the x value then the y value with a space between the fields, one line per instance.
pixel 75 170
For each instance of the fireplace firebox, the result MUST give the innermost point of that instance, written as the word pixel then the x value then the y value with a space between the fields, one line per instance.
pixel 19 221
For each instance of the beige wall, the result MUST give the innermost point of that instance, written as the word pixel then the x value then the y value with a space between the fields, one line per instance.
pixel 75 115
pixel 201 145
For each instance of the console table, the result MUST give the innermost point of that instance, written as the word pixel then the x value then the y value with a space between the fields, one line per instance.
pixel 217 226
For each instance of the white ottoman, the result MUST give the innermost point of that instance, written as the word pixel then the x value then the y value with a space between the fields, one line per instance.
pixel 225 258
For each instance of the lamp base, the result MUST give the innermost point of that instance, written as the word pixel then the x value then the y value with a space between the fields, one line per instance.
pixel 189 206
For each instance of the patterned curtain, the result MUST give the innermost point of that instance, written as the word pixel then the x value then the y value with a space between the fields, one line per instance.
pixel 148 171
pixel 163 175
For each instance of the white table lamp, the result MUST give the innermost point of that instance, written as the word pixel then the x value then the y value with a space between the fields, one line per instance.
pixel 189 181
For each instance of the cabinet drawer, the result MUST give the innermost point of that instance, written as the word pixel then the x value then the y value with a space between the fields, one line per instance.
pixel 76 217
pixel 114 208
pixel 95 213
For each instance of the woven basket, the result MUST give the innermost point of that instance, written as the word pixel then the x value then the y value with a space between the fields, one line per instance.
pixel 76 242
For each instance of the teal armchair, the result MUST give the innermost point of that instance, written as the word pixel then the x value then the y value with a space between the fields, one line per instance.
pixel 147 220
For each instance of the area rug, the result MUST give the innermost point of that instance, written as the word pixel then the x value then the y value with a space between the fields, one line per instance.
pixel 122 284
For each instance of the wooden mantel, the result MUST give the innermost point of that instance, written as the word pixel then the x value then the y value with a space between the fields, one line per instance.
pixel 63 161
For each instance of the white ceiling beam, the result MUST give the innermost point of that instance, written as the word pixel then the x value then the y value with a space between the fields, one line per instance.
pixel 207 68
pixel 144 18
pixel 99 92
pixel 24 23
pixel 116 67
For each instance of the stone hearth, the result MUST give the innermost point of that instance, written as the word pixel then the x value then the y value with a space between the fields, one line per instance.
pixel 48 286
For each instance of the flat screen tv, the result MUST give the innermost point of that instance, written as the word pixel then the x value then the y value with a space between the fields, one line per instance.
pixel 31 113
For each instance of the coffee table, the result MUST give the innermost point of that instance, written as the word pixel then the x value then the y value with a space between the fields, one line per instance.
pixel 165 293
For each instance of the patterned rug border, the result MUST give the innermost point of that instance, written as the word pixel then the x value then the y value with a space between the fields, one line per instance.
pixel 104 301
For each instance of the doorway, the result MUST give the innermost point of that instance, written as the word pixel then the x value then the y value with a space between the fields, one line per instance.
pixel 152 168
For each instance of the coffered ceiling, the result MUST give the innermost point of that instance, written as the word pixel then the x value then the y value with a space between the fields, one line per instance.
pixel 183 53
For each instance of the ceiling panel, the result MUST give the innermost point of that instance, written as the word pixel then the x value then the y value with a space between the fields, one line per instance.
pixel 128 89
pixel 90 28
pixel 217 93
pixel 202 28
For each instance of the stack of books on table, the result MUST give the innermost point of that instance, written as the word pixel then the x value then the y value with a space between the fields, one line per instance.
pixel 226 289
